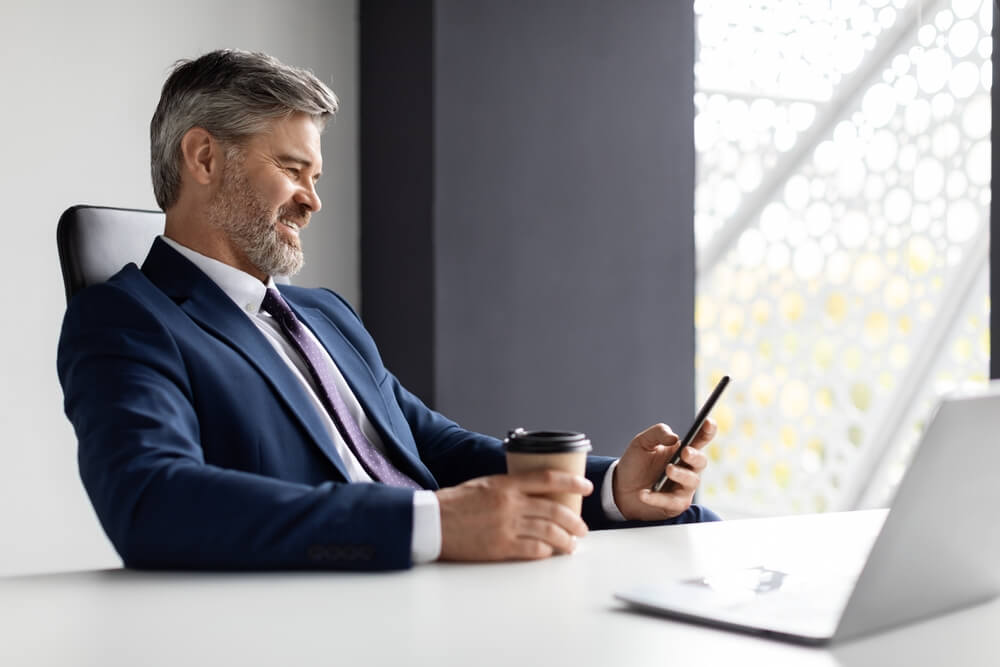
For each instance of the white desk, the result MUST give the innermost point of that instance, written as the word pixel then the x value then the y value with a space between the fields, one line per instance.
pixel 554 612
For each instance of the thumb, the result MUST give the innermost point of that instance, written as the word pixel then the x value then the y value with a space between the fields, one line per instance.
pixel 655 436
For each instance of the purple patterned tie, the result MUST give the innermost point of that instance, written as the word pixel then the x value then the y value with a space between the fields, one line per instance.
pixel 373 461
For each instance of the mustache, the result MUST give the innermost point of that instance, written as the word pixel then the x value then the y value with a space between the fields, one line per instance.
pixel 298 214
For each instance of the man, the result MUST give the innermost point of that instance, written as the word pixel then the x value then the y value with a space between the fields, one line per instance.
pixel 224 423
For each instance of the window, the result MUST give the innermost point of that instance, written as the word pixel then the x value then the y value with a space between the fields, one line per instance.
pixel 842 227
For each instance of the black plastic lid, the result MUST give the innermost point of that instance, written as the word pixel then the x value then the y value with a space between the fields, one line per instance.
pixel 546 442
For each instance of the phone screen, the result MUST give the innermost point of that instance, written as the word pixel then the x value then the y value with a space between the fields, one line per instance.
pixel 662 482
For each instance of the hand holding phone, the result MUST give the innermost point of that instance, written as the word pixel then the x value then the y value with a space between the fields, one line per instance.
pixel 662 482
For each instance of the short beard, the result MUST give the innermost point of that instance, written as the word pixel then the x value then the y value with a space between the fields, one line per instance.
pixel 248 222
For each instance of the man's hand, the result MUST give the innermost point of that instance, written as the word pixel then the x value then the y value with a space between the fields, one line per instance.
pixel 501 518
pixel 643 463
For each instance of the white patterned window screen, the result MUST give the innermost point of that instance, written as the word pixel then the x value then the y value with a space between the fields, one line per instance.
pixel 842 226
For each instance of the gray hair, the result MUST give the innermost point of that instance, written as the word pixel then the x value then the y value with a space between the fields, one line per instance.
pixel 233 95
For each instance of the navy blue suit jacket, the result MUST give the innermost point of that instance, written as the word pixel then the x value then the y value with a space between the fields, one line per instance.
pixel 199 448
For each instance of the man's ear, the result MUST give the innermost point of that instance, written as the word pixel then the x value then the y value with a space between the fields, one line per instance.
pixel 202 156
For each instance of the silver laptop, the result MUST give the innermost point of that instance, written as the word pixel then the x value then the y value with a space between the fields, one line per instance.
pixel 938 550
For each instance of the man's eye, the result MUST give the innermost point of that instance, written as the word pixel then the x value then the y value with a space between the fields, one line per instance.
pixel 293 171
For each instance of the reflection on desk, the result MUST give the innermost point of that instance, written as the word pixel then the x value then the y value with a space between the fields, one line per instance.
pixel 559 611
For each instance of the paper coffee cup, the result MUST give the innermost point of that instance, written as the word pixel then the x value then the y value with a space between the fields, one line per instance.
pixel 544 450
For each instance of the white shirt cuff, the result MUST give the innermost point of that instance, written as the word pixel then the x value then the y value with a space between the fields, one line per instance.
pixel 608 495
pixel 425 545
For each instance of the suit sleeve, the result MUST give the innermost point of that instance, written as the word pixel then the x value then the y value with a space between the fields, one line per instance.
pixel 127 395
pixel 455 455
pixel 451 453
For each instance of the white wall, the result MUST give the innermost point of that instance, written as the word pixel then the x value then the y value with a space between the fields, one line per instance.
pixel 78 84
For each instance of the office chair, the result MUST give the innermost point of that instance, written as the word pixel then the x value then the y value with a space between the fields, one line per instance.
pixel 96 241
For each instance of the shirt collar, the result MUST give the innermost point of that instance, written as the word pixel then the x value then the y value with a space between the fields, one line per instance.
pixel 246 291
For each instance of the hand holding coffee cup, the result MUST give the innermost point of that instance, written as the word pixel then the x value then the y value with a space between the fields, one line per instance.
pixel 534 512
pixel 549 450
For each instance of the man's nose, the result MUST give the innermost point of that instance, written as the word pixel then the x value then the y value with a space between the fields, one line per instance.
pixel 308 196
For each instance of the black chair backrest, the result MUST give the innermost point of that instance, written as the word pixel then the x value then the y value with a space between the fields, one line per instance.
pixel 96 241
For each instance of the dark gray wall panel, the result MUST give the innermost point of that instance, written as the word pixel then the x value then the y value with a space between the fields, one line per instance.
pixel 564 179
pixel 397 187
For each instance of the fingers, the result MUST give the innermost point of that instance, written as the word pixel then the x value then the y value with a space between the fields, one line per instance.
pixel 648 457
pixel 661 434
pixel 551 524
pixel 694 459
pixel 671 504
pixel 546 532
pixel 654 436
pixel 705 434
pixel 550 481
pixel 491 518
pixel 555 513
pixel 544 526
pixel 683 477
pixel 687 473
pixel 531 549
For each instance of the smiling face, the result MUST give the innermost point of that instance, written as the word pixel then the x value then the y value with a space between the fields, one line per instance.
pixel 267 195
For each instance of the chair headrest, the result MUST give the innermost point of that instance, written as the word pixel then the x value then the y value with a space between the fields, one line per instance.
pixel 95 242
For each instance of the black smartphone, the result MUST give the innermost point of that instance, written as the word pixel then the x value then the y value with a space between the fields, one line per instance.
pixel 693 431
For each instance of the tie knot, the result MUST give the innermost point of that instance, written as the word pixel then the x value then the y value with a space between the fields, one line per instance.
pixel 276 306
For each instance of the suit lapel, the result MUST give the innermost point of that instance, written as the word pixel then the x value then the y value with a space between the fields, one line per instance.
pixel 209 306
pixel 363 383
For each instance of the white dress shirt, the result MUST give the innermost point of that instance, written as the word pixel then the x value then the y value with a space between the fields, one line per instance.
pixel 247 293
